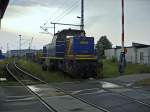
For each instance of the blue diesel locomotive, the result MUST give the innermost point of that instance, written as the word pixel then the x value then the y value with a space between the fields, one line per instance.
pixel 72 53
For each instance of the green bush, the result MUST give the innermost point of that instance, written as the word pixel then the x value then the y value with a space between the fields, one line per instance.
pixel 110 69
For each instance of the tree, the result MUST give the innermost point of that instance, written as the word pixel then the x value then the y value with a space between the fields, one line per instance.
pixel 102 44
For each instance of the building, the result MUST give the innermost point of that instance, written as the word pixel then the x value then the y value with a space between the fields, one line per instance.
pixel 137 53
pixel 23 52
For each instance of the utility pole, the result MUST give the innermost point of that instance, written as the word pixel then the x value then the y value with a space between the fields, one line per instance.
pixel 54 27
pixel 20 38
pixel 122 25
pixel 30 43
pixel 122 61
pixel 7 50
pixel 82 14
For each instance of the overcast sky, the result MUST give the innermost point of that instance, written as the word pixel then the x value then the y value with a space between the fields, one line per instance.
pixel 102 17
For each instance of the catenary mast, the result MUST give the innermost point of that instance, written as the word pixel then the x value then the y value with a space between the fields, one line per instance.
pixel 82 14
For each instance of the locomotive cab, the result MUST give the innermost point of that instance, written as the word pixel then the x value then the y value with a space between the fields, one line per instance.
pixel 80 55
pixel 80 46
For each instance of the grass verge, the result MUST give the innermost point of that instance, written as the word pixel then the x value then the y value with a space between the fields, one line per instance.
pixel 110 69
pixel 49 76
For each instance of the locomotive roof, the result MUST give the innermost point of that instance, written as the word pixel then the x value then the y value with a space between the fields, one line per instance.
pixel 69 31
pixel 61 35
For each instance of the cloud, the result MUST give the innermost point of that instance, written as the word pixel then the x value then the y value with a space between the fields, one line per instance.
pixel 101 16
pixel 16 11
pixel 45 3
pixel 30 2
pixel 21 7
pixel 12 39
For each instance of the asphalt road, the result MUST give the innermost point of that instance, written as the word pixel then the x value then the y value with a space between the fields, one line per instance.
pixel 112 97
pixel 17 99
pixel 128 80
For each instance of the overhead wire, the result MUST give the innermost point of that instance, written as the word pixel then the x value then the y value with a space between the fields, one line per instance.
pixel 67 11
pixel 57 10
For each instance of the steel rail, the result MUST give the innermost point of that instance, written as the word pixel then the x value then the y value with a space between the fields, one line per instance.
pixel 130 98
pixel 105 110
pixel 67 93
pixel 50 108
pixel 93 105
pixel 29 74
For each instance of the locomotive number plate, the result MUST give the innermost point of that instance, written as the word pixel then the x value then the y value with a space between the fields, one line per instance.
pixel 83 42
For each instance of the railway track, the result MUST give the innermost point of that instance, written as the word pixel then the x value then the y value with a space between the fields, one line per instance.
pixel 25 79
pixel 19 77
pixel 13 69
pixel 130 98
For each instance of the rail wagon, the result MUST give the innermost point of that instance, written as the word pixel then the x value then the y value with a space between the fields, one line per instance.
pixel 71 52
